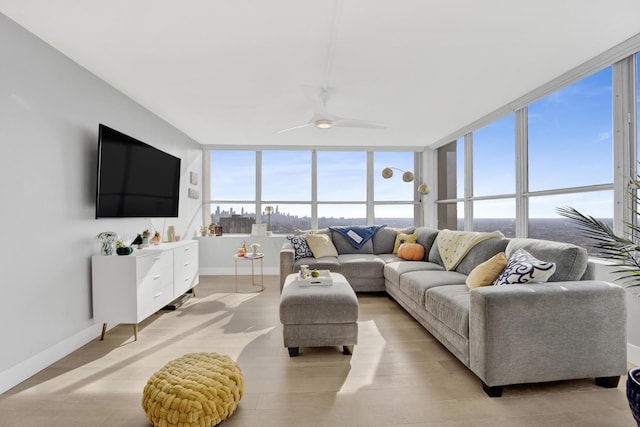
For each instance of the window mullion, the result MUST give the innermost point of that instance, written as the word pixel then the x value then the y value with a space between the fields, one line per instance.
pixel 468 181
pixel 522 172
pixel 314 189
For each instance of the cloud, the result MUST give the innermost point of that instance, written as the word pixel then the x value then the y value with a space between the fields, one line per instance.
pixel 604 136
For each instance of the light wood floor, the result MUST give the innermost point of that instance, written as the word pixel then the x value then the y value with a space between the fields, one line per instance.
pixel 399 375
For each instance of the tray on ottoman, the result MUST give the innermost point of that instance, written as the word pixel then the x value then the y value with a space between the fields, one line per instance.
pixel 324 279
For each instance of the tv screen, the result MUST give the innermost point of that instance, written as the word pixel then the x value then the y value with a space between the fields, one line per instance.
pixel 134 178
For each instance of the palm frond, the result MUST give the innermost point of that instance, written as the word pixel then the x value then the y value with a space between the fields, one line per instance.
pixel 606 244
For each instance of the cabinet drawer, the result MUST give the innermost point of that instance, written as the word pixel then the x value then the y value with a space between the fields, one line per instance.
pixel 155 283
pixel 153 264
pixel 185 268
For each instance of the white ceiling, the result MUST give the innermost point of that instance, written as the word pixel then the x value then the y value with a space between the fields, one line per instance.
pixel 228 72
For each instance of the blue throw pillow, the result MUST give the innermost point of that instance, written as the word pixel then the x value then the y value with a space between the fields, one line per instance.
pixel 300 247
pixel 523 267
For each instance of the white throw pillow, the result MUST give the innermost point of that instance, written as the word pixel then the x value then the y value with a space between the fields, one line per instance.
pixel 523 267
pixel 321 245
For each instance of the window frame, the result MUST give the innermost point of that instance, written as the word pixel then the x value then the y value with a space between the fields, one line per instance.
pixel 370 203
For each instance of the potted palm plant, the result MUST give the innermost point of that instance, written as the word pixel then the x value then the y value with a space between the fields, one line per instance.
pixel 624 251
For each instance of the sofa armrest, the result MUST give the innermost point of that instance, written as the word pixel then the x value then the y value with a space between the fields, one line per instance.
pixel 287 259
pixel 547 332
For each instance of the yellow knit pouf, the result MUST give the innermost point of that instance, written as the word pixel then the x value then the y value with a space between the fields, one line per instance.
pixel 196 390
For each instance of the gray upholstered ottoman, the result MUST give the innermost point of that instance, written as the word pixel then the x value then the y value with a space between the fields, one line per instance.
pixel 319 316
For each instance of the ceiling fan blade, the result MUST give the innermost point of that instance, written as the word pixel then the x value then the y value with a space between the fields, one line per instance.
pixel 317 100
pixel 355 123
pixel 296 127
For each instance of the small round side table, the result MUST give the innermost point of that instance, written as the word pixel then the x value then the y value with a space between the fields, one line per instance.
pixel 252 258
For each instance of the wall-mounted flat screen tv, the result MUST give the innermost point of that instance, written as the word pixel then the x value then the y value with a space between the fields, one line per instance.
pixel 134 178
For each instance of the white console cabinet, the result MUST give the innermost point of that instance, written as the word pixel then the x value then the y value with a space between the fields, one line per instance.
pixel 130 288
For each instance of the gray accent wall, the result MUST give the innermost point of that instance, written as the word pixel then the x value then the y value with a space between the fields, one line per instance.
pixel 50 108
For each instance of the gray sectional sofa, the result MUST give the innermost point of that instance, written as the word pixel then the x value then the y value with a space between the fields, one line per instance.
pixel 570 327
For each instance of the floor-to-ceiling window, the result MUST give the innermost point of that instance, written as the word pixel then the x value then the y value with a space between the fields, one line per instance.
pixel 494 177
pixel 342 188
pixel 286 188
pixel 393 197
pixel 305 189
pixel 570 152
pixel 566 159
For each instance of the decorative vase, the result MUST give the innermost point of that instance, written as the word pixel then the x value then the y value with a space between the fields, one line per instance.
pixel 633 393
pixel 108 240
pixel 124 250
pixel 107 248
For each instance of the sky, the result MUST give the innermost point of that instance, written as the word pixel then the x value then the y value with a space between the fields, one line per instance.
pixel 570 145
pixel 287 177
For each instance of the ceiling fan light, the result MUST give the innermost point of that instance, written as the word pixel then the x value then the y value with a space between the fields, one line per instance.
pixel 323 123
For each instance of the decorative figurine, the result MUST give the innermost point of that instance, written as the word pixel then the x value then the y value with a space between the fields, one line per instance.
pixel 137 241
pixel 156 238
pixel 255 247
pixel 145 238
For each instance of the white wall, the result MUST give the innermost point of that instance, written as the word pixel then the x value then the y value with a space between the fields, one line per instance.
pixel 607 272
pixel 216 254
pixel 49 113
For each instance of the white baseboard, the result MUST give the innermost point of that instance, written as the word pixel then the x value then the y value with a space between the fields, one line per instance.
pixel 16 374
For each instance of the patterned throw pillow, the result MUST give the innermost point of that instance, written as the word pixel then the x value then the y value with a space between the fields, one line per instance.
pixel 523 267
pixel 300 247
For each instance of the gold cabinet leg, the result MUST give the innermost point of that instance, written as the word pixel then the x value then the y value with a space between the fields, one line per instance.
pixel 104 331
pixel 135 332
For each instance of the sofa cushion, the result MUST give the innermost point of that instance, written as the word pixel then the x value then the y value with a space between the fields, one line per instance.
pixel 571 260
pixel 450 304
pixel 387 258
pixel 385 238
pixel 416 283
pixel 522 267
pixel 300 247
pixel 330 263
pixel 393 270
pixel 364 266
pixel 343 246
pixel 321 245
pixel 434 255
pixel 480 253
pixel 426 237
pixel 487 272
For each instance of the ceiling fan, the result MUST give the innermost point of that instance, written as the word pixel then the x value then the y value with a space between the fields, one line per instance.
pixel 321 118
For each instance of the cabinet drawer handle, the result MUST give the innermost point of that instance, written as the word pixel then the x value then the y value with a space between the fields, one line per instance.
pixel 157 258
pixel 157 295
pixel 186 264
pixel 156 277
pixel 186 279
pixel 187 249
